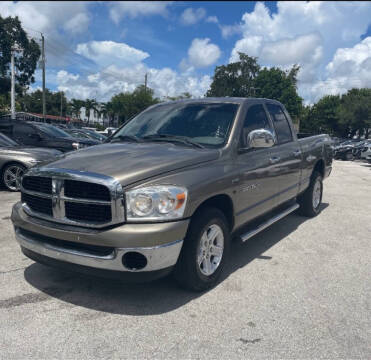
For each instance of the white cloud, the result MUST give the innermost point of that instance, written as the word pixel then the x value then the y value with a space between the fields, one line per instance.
pixel 251 45
pixel 63 77
pixel 202 53
pixel 301 49
pixel 306 33
pixel 133 9
pixel 349 68
pixel 192 16
pixel 106 53
pixel 229 30
pixel 212 19
pixel 112 80
pixel 48 17
pixel 59 21
pixel 77 24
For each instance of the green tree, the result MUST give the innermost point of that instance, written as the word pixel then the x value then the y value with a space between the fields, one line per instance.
pixel 32 102
pixel 75 106
pixel 11 34
pixel 355 112
pixel 235 79
pixel 185 95
pixel 322 117
pixel 280 85
pixel 127 104
pixel 90 104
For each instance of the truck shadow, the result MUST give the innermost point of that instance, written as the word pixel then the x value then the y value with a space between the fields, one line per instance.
pixel 115 297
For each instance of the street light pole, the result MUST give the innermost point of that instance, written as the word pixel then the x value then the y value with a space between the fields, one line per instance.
pixel 12 91
pixel 43 68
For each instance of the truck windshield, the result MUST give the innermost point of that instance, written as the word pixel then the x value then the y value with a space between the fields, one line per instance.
pixel 206 124
pixel 52 130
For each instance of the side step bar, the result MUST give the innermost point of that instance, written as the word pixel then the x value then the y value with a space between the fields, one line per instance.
pixel 269 222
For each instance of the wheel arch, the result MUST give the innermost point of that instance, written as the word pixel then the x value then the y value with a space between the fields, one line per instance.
pixel 222 202
pixel 319 167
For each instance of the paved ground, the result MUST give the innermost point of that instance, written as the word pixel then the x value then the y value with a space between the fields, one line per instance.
pixel 301 289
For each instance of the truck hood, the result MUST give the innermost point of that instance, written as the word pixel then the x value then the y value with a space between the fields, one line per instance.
pixel 132 162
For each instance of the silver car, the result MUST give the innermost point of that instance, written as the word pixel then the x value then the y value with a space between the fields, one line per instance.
pixel 16 159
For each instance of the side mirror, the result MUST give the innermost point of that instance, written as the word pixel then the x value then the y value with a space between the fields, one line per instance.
pixel 260 138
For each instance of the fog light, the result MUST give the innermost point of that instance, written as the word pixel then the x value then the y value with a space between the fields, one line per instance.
pixel 134 261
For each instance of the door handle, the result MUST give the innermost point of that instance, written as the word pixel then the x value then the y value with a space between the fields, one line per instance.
pixel 297 152
pixel 274 159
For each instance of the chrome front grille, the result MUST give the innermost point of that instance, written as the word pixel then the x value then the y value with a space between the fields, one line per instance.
pixel 73 197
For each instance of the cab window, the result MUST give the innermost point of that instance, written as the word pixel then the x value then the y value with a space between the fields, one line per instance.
pixel 256 118
pixel 281 124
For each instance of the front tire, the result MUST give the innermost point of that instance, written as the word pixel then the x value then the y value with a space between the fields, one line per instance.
pixel 205 250
pixel 12 176
pixel 310 201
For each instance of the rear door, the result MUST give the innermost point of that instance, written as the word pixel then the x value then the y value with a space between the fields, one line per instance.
pixel 286 156
pixel 256 181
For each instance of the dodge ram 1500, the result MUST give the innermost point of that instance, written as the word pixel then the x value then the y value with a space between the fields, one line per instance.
pixel 169 190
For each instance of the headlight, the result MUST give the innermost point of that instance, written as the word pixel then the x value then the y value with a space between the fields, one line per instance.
pixel 156 203
pixel 77 145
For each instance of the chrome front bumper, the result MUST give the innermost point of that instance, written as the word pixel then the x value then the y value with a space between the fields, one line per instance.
pixel 158 257
pixel 160 243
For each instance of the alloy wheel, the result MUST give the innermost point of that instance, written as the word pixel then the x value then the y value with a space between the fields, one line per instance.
pixel 210 251
pixel 13 177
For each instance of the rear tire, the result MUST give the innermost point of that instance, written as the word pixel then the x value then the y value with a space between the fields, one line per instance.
pixel 310 201
pixel 205 250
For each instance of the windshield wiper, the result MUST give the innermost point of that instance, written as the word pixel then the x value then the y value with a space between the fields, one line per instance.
pixel 171 138
pixel 125 138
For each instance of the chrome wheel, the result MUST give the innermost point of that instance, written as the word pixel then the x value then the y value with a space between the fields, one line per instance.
pixel 13 176
pixel 210 250
pixel 317 194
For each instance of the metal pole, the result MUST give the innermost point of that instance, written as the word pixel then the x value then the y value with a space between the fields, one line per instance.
pixel 43 65
pixel 12 91
pixel 61 102
pixel 145 82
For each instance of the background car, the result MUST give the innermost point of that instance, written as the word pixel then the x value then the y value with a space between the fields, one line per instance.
pixel 16 159
pixel 95 135
pixel 77 133
pixel 45 135
pixel 366 150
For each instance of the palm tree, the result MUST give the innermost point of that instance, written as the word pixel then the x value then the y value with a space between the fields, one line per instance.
pixel 90 104
pixel 75 106
pixel 107 111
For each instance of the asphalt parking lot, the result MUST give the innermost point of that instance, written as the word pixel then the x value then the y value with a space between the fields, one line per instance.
pixel 300 289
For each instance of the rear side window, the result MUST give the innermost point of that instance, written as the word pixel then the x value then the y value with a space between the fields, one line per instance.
pixel 256 118
pixel 281 123
pixel 23 130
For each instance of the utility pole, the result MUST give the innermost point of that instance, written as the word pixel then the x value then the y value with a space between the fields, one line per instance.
pixel 12 91
pixel 43 68
pixel 61 102
pixel 145 82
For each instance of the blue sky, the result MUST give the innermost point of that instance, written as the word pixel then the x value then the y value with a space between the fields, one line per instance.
pixel 96 49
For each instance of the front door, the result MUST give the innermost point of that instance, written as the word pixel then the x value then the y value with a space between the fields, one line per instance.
pixel 257 181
